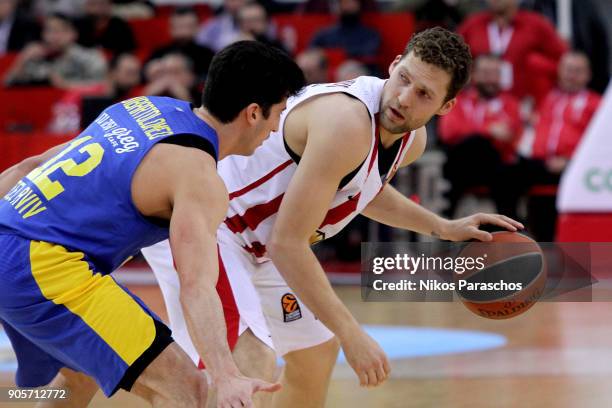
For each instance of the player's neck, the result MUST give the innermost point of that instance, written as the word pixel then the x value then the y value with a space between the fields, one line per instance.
pixel 223 130
pixel 504 19
pixel 387 138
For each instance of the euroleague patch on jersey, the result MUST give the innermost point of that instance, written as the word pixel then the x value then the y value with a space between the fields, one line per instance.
pixel 291 308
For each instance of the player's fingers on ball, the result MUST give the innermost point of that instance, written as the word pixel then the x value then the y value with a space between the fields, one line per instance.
pixel 480 234
pixel 514 222
pixel 500 222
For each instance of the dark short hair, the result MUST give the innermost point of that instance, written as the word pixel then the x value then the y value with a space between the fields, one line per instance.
pixel 446 50
pixel 116 59
pixel 64 18
pixel 249 72
pixel 184 11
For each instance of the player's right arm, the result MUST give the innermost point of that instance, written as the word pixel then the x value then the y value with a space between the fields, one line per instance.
pixel 338 141
pixel 182 183
pixel 10 176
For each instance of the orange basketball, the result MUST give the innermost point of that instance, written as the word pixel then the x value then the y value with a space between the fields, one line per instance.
pixel 512 279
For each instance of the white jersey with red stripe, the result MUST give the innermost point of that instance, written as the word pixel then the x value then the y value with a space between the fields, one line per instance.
pixel 257 183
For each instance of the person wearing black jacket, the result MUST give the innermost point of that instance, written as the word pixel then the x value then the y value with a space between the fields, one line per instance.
pixel 16 28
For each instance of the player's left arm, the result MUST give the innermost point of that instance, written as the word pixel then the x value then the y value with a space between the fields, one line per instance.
pixel 10 176
pixel 392 208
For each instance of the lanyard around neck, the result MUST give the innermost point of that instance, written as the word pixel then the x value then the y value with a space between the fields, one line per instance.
pixel 499 38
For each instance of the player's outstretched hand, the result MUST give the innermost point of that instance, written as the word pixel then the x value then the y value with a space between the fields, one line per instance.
pixel 367 359
pixel 466 228
pixel 236 391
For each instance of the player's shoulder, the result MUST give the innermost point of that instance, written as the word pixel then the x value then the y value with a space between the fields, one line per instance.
pixel 182 161
pixel 340 110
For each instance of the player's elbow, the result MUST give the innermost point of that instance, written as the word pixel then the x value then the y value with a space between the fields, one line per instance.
pixel 193 287
pixel 280 246
pixel 29 164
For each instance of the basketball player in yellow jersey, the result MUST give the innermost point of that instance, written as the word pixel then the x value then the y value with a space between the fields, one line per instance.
pixel 144 170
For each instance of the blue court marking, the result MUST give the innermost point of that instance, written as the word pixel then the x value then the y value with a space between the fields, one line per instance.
pixel 5 365
pixel 399 342
pixel 409 342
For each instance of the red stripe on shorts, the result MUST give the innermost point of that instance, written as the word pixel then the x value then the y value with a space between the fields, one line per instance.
pixel 230 309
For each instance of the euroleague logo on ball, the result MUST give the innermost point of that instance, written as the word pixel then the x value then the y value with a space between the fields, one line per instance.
pixel 291 308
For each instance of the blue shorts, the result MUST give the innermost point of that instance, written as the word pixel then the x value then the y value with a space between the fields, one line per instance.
pixel 58 311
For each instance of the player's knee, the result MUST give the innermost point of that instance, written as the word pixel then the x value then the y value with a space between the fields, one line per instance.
pixel 329 350
pixel 302 364
pixel 192 392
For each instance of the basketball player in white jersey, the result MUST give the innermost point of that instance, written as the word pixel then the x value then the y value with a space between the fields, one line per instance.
pixel 337 147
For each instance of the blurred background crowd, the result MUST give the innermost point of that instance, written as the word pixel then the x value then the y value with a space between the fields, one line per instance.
pixel 540 69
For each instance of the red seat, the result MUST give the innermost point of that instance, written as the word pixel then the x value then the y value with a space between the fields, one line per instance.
pixel 27 109
pixel 16 147
pixel 151 33
pixel 395 30
pixel 166 10
pixel 335 57
pixel 6 61
pixel 300 27
pixel 543 190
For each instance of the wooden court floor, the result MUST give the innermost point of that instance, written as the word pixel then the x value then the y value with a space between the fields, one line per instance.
pixel 557 355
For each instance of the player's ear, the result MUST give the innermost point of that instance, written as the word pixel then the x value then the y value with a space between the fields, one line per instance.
pixel 394 63
pixel 447 107
pixel 252 112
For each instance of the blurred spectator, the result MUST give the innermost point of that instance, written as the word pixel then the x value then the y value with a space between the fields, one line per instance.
pixel 124 77
pixel 132 9
pixel 123 82
pixel 254 24
pixel 525 40
pixel 99 28
pixel 314 64
pixel 72 8
pixel 329 6
pixel 565 113
pixel 480 136
pixel 559 126
pixel 432 13
pixel 16 29
pixel 172 76
pixel 57 60
pixel 585 31
pixel 449 12
pixel 184 23
pixel 349 34
pixel 222 29
pixel 350 69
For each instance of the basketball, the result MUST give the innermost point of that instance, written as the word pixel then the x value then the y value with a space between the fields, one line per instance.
pixel 511 281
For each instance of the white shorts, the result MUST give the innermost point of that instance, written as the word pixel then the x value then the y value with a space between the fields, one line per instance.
pixel 259 299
